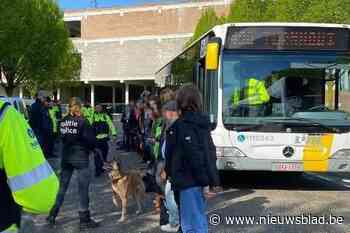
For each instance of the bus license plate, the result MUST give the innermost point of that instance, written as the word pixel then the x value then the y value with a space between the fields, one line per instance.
pixel 287 167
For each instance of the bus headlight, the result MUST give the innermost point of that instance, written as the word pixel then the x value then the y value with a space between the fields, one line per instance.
pixel 229 152
pixel 341 154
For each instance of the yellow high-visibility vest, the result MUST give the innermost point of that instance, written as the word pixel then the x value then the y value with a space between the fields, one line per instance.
pixel 256 93
pixel 32 182
pixel 103 118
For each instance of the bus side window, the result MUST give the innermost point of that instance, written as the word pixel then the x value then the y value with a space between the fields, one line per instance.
pixel 201 82
pixel 344 90
pixel 196 70
pixel 201 78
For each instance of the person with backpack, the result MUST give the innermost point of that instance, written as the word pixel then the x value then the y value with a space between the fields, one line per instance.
pixel 191 166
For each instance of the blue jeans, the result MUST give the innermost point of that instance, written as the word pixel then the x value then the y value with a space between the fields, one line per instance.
pixel 192 210
pixel 171 206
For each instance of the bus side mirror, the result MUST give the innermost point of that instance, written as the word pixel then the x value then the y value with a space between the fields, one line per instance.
pixel 212 54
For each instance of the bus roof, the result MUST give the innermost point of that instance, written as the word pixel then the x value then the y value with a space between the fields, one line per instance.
pixel 260 24
pixel 272 24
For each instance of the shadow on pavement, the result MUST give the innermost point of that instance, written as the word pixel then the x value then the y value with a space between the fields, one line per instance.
pixel 277 180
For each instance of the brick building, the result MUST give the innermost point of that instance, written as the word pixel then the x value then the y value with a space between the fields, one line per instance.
pixel 121 48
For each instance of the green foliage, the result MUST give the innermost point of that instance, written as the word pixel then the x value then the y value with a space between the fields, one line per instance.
pixel 317 11
pixel 34 44
pixel 208 20
pixel 288 10
pixel 248 11
pixel 329 11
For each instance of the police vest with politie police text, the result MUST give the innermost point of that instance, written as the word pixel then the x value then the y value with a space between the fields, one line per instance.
pixel 70 129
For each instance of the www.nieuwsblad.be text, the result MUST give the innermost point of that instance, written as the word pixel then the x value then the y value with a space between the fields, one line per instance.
pixel 304 219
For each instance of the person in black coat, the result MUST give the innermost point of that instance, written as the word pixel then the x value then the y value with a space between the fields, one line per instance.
pixel 78 140
pixel 47 129
pixel 36 116
pixel 40 122
pixel 130 124
pixel 191 160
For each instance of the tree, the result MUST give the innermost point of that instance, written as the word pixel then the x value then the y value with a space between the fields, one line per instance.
pixel 328 11
pixel 34 44
pixel 317 11
pixel 290 10
pixel 248 10
pixel 62 77
pixel 207 21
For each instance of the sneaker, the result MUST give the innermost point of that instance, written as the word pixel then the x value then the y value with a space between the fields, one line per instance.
pixel 169 228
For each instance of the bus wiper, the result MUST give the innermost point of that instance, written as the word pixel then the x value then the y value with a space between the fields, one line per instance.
pixel 315 123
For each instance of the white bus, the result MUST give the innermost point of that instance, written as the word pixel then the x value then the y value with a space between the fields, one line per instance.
pixel 278 94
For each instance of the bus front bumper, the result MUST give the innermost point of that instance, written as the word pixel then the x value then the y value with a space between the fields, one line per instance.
pixel 249 164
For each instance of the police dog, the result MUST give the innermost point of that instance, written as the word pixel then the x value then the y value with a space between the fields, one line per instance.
pixel 124 185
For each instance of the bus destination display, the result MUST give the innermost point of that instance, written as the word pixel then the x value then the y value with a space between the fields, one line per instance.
pixel 288 38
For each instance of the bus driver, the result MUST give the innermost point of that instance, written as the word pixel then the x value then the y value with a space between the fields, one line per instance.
pixel 250 98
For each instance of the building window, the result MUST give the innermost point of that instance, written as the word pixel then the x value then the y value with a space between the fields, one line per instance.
pixel 74 28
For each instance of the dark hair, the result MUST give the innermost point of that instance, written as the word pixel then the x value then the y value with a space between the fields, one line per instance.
pixel 153 98
pixel 157 102
pixel 189 99
pixel 166 94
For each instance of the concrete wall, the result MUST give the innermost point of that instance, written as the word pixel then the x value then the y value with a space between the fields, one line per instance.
pixel 155 21
pixel 133 43
pixel 134 59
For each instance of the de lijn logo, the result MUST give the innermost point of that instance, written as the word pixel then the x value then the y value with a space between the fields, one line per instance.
pixel 241 138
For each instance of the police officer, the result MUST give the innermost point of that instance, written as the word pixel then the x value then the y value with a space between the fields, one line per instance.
pixel 250 100
pixel 88 112
pixel 103 127
pixel 52 135
pixel 78 140
pixel 27 181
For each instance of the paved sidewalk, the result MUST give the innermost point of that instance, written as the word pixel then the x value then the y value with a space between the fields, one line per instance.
pixel 102 207
pixel 245 194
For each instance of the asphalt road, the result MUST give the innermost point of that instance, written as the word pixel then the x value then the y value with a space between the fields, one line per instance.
pixel 270 195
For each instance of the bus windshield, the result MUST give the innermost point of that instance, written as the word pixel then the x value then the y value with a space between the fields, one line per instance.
pixel 275 86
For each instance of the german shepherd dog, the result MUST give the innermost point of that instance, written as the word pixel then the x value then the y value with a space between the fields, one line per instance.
pixel 124 185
